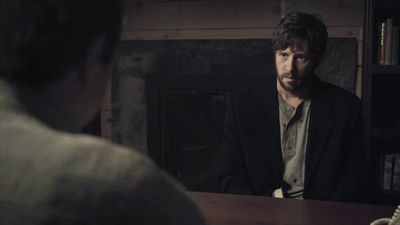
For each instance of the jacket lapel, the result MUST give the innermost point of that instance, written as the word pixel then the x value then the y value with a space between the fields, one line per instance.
pixel 320 127
pixel 262 135
pixel 274 144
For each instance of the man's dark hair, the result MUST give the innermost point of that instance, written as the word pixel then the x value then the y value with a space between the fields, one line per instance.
pixel 297 27
pixel 41 40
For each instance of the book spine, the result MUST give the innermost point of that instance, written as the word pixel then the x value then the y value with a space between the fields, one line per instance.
pixel 395 45
pixel 388 42
pixel 382 39
pixel 387 173
pixel 396 174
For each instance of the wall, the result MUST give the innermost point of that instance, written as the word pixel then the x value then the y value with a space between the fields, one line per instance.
pixel 236 19
pixel 212 19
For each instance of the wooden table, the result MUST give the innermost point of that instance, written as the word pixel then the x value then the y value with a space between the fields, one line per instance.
pixel 226 209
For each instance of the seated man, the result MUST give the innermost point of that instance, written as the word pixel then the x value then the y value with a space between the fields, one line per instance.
pixel 305 138
pixel 54 64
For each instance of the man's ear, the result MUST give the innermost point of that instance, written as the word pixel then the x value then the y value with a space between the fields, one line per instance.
pixel 92 59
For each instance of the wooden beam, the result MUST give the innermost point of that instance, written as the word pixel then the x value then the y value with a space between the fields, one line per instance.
pixel 224 14
pixel 200 14
pixel 234 33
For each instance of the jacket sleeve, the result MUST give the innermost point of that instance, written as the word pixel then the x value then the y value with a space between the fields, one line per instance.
pixel 233 178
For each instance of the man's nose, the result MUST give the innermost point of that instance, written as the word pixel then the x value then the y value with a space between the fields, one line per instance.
pixel 290 64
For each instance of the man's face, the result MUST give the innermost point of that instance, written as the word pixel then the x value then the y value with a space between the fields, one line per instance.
pixel 294 67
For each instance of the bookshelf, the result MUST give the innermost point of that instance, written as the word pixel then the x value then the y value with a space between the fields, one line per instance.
pixel 385 69
pixel 381 98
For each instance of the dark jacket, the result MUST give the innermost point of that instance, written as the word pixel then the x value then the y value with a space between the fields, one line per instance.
pixel 334 156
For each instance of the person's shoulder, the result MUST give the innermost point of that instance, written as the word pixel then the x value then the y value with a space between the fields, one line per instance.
pixel 337 93
pixel 66 152
pixel 100 149
pixel 99 159
pixel 87 172
pixel 139 182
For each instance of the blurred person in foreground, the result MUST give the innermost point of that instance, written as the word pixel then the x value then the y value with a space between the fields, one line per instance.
pixel 55 58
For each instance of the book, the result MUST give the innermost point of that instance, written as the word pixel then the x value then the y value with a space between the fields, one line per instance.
pixel 388 161
pixel 388 42
pixel 396 174
pixel 382 39
pixel 395 46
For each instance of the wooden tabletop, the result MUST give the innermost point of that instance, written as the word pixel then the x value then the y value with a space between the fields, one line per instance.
pixel 226 209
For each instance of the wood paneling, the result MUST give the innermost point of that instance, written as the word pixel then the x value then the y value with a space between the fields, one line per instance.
pixel 215 14
pixel 158 20
pixel 106 114
pixel 198 34
pixel 359 52
pixel 333 12
pixel 250 33
pixel 106 104
pixel 359 81
pixel 106 125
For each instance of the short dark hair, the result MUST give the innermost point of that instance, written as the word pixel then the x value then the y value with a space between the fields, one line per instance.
pixel 297 27
pixel 41 40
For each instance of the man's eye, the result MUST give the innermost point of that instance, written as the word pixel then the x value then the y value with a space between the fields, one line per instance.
pixel 283 55
pixel 301 59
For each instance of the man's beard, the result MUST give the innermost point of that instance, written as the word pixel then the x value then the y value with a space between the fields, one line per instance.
pixel 297 85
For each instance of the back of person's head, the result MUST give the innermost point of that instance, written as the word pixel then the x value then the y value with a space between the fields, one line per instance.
pixel 42 40
pixel 296 28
